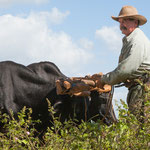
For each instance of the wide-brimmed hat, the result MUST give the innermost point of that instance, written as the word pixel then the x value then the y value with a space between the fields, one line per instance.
pixel 130 12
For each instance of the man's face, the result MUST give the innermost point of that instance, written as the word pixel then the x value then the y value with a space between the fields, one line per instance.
pixel 127 25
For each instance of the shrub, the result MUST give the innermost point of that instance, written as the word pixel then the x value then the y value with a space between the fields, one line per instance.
pixel 127 134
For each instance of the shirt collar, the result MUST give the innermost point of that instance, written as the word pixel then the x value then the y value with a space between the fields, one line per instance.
pixel 127 38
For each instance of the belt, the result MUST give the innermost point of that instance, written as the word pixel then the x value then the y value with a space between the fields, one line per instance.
pixel 145 79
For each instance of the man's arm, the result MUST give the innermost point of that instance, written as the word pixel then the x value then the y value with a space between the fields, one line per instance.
pixel 126 67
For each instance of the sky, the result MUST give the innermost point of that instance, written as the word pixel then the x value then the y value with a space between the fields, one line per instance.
pixel 79 36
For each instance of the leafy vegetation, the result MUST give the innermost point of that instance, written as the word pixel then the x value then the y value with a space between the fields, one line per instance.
pixel 127 134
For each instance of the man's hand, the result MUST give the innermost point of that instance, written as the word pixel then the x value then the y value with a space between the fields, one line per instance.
pixel 97 78
pixel 99 84
pixel 128 83
pixel 97 75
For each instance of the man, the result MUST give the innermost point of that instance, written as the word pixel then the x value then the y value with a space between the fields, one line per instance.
pixel 134 57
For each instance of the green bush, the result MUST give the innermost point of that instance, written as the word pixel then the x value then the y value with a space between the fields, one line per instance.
pixel 127 134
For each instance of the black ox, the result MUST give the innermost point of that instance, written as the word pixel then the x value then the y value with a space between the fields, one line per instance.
pixel 30 86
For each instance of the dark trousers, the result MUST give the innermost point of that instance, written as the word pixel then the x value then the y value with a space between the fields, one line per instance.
pixel 137 98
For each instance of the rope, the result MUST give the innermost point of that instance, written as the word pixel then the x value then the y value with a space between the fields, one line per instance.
pixel 109 106
pixel 85 111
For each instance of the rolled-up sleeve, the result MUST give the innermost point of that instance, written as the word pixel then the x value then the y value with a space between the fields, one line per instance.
pixel 129 65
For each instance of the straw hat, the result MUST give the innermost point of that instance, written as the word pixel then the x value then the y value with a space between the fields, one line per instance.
pixel 130 12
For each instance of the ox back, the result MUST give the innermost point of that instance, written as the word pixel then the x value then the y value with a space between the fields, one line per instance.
pixel 30 86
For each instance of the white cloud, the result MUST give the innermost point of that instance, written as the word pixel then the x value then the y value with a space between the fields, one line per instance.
pixel 27 40
pixel 12 2
pixel 111 35
pixel 54 17
pixel 85 43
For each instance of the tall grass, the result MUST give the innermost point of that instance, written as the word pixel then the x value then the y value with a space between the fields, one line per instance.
pixel 127 134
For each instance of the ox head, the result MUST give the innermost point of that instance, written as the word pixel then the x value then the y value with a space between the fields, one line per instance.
pixel 97 106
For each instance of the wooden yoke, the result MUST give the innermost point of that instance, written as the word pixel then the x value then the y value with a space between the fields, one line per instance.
pixel 79 86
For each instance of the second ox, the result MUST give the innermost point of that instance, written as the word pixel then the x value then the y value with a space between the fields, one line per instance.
pixel 30 86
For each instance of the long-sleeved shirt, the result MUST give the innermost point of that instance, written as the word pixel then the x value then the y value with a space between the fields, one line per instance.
pixel 133 60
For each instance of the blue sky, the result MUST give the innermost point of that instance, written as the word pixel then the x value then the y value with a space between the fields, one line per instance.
pixel 79 36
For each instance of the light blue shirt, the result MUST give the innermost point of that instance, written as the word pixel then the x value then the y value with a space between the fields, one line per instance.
pixel 133 60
